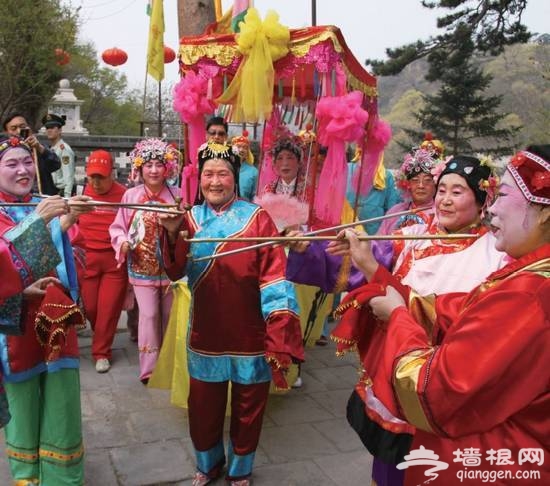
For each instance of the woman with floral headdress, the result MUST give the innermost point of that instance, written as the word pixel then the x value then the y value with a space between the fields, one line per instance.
pixel 472 375
pixel 416 181
pixel 426 266
pixel 249 336
pixel 287 159
pixel 135 239
pixel 40 358
pixel 288 198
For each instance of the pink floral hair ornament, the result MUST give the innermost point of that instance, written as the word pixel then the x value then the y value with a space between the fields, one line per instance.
pixel 156 149
pixel 287 141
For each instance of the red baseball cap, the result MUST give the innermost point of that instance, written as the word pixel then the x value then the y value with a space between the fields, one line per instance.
pixel 100 162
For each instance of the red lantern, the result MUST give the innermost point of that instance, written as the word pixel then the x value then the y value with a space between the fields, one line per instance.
pixel 169 55
pixel 62 57
pixel 114 56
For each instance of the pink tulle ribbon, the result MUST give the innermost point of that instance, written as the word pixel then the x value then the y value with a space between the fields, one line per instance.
pixel 192 103
pixel 341 119
pixel 378 137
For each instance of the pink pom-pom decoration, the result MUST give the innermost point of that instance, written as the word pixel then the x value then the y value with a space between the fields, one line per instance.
pixel 341 119
pixel 190 98
pixel 191 101
pixel 378 137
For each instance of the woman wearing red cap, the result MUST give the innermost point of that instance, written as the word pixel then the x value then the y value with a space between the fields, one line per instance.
pixel 104 281
pixel 473 374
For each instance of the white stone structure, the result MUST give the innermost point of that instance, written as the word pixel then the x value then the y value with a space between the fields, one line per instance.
pixel 64 102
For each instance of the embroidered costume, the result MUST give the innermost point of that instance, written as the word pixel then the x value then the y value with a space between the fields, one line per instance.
pixel 427 266
pixel 243 325
pixel 22 263
pixel 44 436
pixel 151 285
pixel 470 382
pixel 140 230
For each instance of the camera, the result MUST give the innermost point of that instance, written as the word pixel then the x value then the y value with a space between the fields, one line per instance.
pixel 24 133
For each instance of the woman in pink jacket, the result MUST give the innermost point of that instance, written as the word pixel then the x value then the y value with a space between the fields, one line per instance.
pixel 135 239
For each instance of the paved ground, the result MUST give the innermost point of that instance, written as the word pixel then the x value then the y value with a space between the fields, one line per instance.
pixel 134 437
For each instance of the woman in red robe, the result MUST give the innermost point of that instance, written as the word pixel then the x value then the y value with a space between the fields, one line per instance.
pixel 243 325
pixel 477 387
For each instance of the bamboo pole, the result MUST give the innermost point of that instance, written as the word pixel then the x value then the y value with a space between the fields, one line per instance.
pixel 154 208
pixel 290 239
pixel 316 232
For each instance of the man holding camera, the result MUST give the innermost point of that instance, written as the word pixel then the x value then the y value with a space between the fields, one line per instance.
pixel 64 177
pixel 15 124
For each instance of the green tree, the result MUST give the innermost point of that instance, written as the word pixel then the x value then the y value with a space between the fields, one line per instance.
pixel 488 24
pixel 30 32
pixel 459 113
pixel 522 73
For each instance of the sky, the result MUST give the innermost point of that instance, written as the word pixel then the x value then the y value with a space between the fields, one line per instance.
pixel 368 26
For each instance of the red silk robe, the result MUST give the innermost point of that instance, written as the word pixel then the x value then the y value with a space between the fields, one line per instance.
pixel 483 383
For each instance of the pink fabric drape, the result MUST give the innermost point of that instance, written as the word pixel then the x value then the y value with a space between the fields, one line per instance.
pixel 378 138
pixel 341 119
pixel 193 100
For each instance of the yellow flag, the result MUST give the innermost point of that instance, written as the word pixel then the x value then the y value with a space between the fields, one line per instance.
pixel 155 48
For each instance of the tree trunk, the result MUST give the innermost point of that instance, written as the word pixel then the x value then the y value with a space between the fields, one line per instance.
pixel 194 16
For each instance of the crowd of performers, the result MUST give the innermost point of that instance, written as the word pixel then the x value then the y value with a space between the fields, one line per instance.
pixel 451 332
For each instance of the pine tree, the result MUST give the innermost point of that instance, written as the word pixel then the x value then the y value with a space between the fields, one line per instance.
pixel 490 25
pixel 459 113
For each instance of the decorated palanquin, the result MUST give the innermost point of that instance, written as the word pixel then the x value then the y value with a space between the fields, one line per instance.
pixel 276 76
pixel 300 82
pixel 315 55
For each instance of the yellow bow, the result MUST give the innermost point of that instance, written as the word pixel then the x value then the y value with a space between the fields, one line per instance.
pixel 261 44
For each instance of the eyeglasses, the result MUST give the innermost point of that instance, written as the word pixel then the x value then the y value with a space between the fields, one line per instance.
pixel 214 133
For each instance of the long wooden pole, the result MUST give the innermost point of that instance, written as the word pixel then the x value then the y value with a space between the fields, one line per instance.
pixel 37 169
